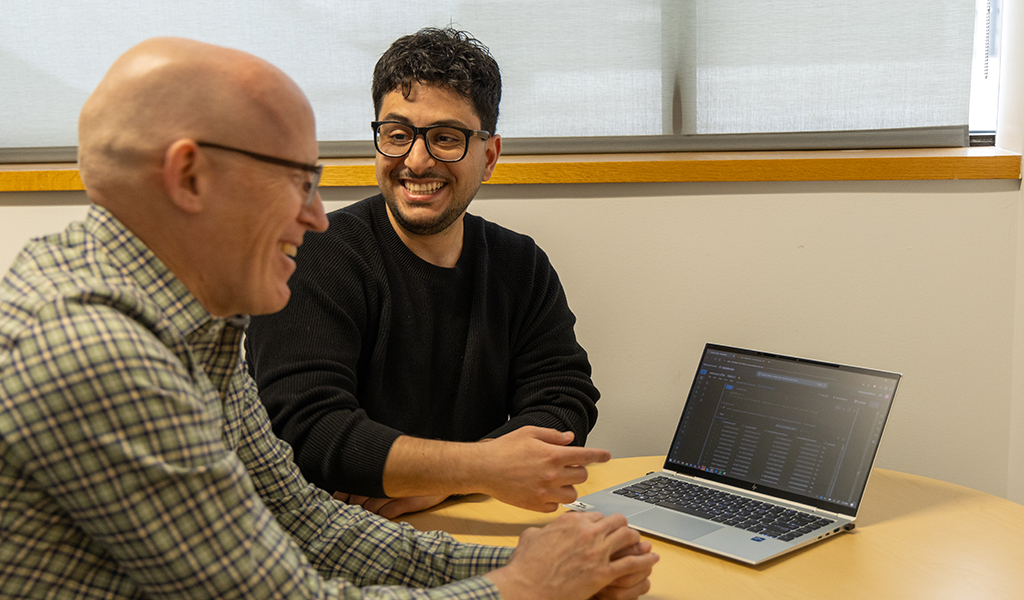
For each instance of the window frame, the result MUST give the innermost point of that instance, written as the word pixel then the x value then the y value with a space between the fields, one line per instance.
pixel 970 163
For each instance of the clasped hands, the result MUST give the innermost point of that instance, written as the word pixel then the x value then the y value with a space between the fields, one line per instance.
pixel 575 557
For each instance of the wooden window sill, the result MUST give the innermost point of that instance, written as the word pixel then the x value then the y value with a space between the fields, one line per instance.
pixel 848 165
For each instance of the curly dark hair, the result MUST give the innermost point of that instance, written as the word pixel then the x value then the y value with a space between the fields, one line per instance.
pixel 445 57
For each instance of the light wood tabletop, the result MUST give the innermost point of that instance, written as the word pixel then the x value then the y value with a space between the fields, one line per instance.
pixel 915 538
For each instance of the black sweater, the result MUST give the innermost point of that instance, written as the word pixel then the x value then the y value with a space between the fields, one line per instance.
pixel 376 342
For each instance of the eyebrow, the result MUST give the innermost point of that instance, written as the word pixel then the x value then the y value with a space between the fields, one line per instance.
pixel 444 122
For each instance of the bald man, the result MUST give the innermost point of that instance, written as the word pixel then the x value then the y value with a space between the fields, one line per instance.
pixel 136 460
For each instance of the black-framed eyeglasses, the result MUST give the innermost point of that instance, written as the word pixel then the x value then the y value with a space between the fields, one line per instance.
pixel 445 143
pixel 315 170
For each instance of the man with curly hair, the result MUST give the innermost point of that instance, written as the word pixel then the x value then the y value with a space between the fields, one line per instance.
pixel 428 352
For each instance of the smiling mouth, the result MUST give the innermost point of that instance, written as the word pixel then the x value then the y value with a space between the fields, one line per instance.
pixel 423 188
pixel 290 249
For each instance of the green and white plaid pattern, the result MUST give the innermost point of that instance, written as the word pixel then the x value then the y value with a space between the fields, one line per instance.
pixel 137 462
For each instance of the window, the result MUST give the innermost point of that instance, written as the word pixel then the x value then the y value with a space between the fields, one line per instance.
pixel 579 75
pixel 985 67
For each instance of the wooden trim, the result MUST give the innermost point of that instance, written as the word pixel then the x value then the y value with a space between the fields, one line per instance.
pixel 39 178
pixel 860 165
pixel 852 165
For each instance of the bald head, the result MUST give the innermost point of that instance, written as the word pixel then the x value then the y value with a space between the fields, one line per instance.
pixel 226 223
pixel 166 89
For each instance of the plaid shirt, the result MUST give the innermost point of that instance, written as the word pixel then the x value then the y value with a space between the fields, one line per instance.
pixel 137 461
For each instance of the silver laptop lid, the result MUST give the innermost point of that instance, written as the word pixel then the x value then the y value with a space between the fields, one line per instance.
pixel 793 428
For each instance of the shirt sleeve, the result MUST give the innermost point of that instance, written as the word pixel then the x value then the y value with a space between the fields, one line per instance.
pixel 128 442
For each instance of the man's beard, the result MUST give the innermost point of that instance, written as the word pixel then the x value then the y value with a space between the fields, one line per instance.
pixel 434 226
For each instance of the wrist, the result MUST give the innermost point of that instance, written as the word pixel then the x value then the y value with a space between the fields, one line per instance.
pixel 510 586
pixel 421 467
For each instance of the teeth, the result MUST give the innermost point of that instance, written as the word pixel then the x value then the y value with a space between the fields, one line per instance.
pixel 423 188
pixel 289 249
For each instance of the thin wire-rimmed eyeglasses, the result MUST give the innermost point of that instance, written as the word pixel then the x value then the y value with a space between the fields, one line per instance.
pixel 315 170
pixel 446 143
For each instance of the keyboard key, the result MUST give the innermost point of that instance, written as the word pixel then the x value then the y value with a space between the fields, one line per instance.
pixel 690 510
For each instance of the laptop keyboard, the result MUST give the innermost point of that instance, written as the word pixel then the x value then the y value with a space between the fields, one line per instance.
pixel 755 516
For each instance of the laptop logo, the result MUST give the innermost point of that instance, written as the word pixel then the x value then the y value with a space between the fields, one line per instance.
pixel 757 539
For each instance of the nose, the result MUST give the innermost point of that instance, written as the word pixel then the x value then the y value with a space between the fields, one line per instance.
pixel 418 159
pixel 313 216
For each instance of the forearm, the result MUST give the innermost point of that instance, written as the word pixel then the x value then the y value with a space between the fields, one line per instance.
pixel 420 467
pixel 531 468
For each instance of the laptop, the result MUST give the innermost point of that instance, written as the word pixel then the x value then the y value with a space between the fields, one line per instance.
pixel 771 453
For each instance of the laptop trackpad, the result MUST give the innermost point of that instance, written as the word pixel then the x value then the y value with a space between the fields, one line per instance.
pixel 673 524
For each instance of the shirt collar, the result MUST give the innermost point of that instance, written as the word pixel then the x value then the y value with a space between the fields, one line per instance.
pixel 133 259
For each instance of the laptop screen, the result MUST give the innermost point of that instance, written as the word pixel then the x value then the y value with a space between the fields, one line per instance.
pixel 794 428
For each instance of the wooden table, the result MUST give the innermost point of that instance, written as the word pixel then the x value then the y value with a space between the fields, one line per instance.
pixel 915 538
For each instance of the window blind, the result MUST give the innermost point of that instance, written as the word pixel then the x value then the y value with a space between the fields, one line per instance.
pixel 579 76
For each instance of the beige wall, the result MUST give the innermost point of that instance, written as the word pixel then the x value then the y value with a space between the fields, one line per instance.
pixel 914 277
pixel 1010 135
pixel 917 278
pixel 23 215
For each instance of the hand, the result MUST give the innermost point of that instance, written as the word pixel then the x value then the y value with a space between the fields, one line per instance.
pixel 534 468
pixel 391 508
pixel 632 585
pixel 531 467
pixel 578 556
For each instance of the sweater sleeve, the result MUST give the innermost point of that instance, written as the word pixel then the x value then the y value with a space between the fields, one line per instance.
pixel 305 360
pixel 549 373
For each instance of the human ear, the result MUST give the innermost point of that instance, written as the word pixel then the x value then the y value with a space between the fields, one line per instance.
pixel 182 175
pixel 492 151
